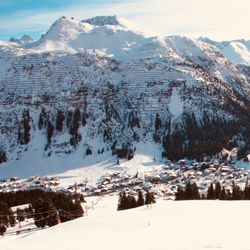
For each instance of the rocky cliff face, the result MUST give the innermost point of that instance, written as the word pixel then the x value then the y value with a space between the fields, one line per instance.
pixel 100 79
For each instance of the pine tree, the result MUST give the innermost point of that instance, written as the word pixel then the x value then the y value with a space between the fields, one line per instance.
pixel 69 118
pixel 228 195
pixel 88 151
pixel 158 123
pixel 4 210
pixel 195 192
pixel 81 197
pixel 191 192
pixel 70 206
pixel 140 200
pixel 246 194
pixel 50 129
pixel 217 190
pixel 73 129
pixel 188 193
pixel 122 204
pixel 130 154
pixel 3 229
pixel 3 156
pixel 133 120
pixel 12 219
pixel 76 209
pixel 237 194
pixel 75 122
pixel 211 192
pixel 180 194
pixel 24 128
pixel 45 213
pixel 132 203
pixel 152 198
pixel 223 195
pixel 126 201
pixel 149 199
pixel 8 218
pixel 59 121
pixel 42 122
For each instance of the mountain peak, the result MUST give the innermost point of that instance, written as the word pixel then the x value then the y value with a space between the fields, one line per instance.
pixel 111 34
pixel 23 40
pixel 104 20
pixel 27 39
pixel 114 20
pixel 64 21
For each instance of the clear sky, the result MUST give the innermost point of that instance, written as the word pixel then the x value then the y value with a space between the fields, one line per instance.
pixel 216 19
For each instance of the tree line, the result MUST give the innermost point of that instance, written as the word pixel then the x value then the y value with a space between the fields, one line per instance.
pixel 47 208
pixel 214 192
pixel 127 201
pixel 72 119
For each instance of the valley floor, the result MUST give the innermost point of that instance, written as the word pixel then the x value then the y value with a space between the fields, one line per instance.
pixel 183 225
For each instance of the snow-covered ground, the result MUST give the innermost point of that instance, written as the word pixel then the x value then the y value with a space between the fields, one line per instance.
pixel 74 167
pixel 188 225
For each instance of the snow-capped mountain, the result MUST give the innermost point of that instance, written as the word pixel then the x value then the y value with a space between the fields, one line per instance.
pixel 101 83
pixel 108 34
pixel 25 39
pixel 237 51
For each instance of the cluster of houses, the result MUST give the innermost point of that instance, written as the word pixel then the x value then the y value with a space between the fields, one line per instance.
pixel 163 181
pixel 35 182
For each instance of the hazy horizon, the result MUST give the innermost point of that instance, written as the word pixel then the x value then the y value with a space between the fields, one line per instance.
pixel 217 20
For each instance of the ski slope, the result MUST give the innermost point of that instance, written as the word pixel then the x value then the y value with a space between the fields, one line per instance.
pixel 188 225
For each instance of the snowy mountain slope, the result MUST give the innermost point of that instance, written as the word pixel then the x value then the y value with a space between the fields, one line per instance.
pixel 145 228
pixel 101 80
pixel 236 51
pixel 209 58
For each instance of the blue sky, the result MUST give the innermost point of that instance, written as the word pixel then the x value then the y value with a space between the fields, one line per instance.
pixel 7 7
pixel 13 12
pixel 217 19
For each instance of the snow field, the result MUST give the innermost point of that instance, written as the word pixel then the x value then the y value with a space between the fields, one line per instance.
pixel 188 225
